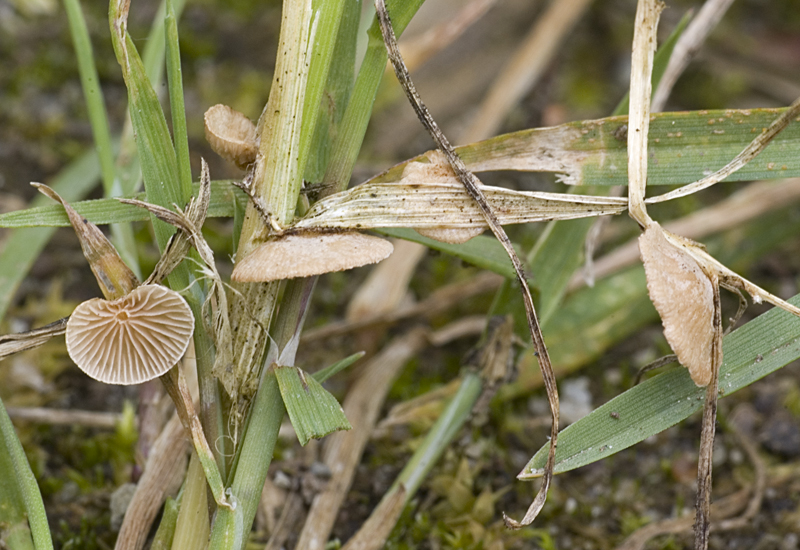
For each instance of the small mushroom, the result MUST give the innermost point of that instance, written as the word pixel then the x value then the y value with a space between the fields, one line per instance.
pixel 231 134
pixel 132 339
pixel 307 254
pixel 683 291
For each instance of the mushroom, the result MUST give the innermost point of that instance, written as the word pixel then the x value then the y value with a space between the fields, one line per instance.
pixel 685 293
pixel 306 254
pixel 132 339
pixel 231 134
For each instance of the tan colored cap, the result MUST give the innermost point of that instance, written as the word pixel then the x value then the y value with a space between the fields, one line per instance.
pixel 132 339
pixel 683 293
pixel 307 254
pixel 231 134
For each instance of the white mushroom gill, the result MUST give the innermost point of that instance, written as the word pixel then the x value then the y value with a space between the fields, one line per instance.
pixel 132 339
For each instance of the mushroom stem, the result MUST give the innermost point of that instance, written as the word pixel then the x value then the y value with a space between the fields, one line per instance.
pixel 175 384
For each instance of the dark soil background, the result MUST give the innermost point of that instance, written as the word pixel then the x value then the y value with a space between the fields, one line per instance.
pixel 752 60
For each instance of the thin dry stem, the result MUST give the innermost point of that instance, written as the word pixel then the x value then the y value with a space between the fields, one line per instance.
pixel 472 185
pixel 162 477
pixel 747 501
pixel 526 67
pixel 705 465
pixel 16 343
pixel 440 300
pixel 65 417
pixel 343 450
pixel 644 48
pixel 685 48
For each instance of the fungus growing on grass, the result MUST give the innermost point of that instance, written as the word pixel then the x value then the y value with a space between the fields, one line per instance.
pixel 231 135
pixel 132 339
pixel 684 292
pixel 307 254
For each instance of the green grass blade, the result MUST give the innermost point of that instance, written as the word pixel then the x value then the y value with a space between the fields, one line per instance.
pixel 176 104
pixel 329 16
pixel 481 251
pixel 337 91
pixel 98 117
pixel 21 474
pixel 153 141
pixel 314 412
pixel 23 246
pixel 166 529
pixel 359 109
pixel 441 434
pixel 322 375
pixel 92 93
pixel 256 454
pixel 14 528
pixel 618 306
pixel 751 352
pixel 224 197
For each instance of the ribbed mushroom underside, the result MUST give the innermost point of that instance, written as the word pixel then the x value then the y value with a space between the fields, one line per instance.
pixel 133 339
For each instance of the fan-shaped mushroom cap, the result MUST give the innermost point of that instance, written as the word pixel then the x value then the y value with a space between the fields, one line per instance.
pixel 231 134
pixel 683 293
pixel 133 339
pixel 307 254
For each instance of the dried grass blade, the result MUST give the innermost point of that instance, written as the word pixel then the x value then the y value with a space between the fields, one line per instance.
pixel 448 205
pixel 690 41
pixel 343 450
pixel 15 343
pixel 526 67
pixel 471 184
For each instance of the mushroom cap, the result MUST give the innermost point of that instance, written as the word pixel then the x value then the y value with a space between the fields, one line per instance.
pixel 307 254
pixel 231 135
pixel 132 339
pixel 683 294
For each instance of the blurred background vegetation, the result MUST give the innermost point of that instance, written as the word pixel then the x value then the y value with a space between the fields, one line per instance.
pixel 228 48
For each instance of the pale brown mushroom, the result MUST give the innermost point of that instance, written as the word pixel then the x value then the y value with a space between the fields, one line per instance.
pixel 231 134
pixel 307 254
pixel 132 339
pixel 683 292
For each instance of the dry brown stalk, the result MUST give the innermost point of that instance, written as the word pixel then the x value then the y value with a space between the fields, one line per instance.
pixel 686 47
pixel 343 450
pixel 65 417
pixel 526 67
pixel 162 477
pixel 418 49
pixel 473 188
pixel 440 300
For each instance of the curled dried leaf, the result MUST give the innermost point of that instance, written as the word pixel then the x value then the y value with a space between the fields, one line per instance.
pixel 114 277
pixel 132 339
pixel 683 290
pixel 307 254
pixel 231 135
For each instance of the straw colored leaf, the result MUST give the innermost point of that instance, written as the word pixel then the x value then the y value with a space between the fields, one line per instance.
pixel 132 339
pixel 113 275
pixel 314 412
